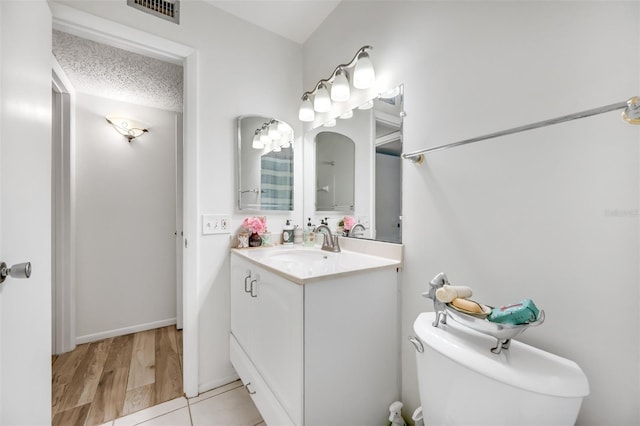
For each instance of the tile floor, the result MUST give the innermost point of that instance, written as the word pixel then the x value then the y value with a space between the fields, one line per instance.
pixel 224 406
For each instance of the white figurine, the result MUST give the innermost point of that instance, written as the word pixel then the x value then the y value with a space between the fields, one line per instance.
pixel 394 414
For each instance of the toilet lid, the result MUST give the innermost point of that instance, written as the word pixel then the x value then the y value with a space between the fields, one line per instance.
pixel 522 366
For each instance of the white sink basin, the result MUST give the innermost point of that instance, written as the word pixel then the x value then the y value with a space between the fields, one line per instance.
pixel 298 255
pixel 301 264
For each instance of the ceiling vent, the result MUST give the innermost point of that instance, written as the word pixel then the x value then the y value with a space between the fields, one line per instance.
pixel 165 9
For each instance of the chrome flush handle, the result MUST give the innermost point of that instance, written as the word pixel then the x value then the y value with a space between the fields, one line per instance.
pixel 417 344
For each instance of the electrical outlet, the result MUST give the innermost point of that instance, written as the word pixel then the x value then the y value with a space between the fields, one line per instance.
pixel 215 224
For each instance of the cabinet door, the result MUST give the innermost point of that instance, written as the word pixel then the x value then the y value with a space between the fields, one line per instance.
pixel 278 339
pixel 243 306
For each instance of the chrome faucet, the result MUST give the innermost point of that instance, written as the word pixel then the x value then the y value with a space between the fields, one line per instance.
pixel 352 232
pixel 329 241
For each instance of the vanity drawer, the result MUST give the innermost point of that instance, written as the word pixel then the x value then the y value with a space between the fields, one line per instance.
pixel 269 407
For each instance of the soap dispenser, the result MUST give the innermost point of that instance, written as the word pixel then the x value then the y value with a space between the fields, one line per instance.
pixel 308 237
pixel 287 233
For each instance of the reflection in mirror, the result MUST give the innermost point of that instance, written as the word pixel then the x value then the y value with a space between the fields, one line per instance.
pixel 264 172
pixel 388 167
pixel 376 132
pixel 335 159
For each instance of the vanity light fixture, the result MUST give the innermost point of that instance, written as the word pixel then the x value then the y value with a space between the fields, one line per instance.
pixel 127 127
pixel 363 74
pixel 273 135
pixel 364 77
pixel 322 100
pixel 264 136
pixel 340 90
pixel 306 112
pixel 257 143
pixel 273 130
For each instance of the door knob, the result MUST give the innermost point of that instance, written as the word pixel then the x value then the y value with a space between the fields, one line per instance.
pixel 19 270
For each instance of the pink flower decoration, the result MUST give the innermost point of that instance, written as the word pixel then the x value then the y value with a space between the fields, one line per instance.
pixel 255 224
pixel 348 223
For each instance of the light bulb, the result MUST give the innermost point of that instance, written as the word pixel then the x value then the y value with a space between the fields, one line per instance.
pixel 330 123
pixel 306 112
pixel 322 101
pixel 340 90
pixel 364 75
pixel 264 137
pixel 273 131
pixel 347 114
pixel 257 143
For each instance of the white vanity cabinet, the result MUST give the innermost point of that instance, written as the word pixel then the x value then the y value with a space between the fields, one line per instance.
pixel 266 324
pixel 322 352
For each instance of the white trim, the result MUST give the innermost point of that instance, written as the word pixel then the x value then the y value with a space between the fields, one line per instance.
pixel 98 29
pixel 123 331
pixel 64 282
pixel 391 137
pixel 103 30
pixel 190 332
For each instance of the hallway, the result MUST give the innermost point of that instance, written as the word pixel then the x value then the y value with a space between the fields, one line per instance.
pixel 100 381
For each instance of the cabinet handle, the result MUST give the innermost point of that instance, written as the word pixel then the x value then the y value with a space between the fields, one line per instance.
pixel 249 390
pixel 245 283
pixel 252 287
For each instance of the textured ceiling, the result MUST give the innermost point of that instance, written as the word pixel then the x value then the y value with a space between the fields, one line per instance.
pixel 101 70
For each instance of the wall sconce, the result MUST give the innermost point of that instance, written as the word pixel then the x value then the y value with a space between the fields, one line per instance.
pixel 364 77
pixel 128 128
pixel 273 136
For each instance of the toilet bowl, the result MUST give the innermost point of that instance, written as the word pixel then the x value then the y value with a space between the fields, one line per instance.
pixel 461 382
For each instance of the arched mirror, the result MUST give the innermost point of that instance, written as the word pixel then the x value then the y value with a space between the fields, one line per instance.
pixel 265 164
pixel 335 160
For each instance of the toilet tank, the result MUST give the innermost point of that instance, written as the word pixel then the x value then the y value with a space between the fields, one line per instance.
pixel 462 382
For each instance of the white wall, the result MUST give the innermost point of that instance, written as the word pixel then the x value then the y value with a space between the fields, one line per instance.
pixel 25 211
pixel 125 220
pixel 550 214
pixel 230 85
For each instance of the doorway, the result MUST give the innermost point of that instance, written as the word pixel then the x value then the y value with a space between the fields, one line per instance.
pixel 122 200
pixel 63 307
pixel 119 348
pixel 108 32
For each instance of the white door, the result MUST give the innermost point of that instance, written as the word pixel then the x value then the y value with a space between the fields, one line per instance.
pixel 25 211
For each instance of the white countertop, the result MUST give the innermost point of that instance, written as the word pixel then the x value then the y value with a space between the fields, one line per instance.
pixel 304 264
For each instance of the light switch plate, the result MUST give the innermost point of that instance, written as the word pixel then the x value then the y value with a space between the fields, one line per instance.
pixel 216 224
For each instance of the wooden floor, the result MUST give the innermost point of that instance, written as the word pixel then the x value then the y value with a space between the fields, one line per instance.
pixel 100 381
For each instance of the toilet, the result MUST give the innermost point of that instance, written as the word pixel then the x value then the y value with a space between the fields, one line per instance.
pixel 461 382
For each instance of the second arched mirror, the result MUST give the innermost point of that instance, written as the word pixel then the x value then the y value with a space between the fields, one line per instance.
pixel 335 158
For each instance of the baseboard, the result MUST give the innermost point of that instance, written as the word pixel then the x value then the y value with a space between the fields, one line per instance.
pixel 122 331
pixel 204 387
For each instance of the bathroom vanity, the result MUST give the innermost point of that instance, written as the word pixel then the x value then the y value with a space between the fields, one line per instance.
pixel 315 335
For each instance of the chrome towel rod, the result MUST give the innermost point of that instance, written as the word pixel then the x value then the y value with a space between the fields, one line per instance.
pixel 631 114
